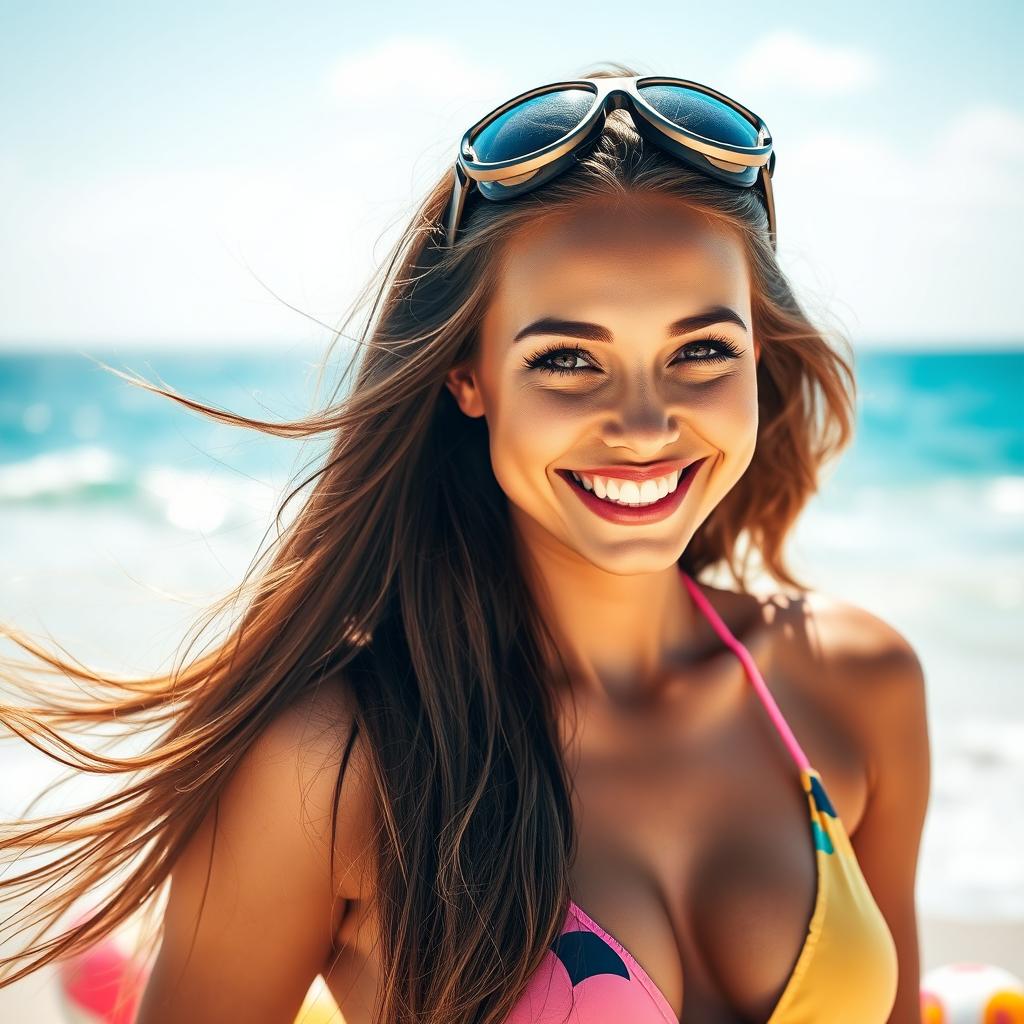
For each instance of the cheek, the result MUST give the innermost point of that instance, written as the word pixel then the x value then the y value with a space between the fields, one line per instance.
pixel 531 431
pixel 729 407
pixel 726 416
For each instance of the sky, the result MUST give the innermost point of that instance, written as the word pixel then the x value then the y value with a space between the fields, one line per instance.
pixel 229 174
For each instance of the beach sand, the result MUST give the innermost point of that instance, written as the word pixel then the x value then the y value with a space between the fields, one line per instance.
pixel 34 1000
pixel 944 940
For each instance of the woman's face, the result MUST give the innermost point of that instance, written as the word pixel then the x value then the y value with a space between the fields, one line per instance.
pixel 587 362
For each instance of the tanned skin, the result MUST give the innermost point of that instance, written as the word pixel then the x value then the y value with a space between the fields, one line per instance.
pixel 693 840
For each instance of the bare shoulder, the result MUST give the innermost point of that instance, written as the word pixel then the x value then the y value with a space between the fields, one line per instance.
pixel 873 674
pixel 864 649
pixel 255 899
pixel 296 765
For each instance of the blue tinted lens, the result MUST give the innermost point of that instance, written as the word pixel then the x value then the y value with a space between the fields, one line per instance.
pixel 702 114
pixel 532 125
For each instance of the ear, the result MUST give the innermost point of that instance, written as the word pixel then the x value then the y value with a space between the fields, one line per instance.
pixel 757 351
pixel 462 383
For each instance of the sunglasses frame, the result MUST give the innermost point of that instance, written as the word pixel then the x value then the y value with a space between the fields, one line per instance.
pixel 719 160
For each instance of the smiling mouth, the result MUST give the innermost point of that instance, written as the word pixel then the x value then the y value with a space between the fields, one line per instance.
pixel 637 512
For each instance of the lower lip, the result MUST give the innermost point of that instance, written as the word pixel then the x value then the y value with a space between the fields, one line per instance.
pixel 642 513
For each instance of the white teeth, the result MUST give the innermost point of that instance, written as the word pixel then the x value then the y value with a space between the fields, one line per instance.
pixel 628 492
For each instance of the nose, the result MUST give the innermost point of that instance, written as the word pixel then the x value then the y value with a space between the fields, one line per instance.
pixel 644 423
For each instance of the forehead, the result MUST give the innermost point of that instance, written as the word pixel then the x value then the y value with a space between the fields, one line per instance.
pixel 646 251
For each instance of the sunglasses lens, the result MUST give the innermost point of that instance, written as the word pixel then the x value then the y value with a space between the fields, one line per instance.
pixel 701 114
pixel 531 125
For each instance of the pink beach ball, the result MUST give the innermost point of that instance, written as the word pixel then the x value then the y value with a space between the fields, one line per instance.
pixel 102 985
pixel 105 984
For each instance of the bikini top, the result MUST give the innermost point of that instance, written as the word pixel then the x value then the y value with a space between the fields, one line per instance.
pixel 845 973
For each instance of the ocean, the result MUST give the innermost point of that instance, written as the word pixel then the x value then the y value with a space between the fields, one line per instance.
pixel 123 514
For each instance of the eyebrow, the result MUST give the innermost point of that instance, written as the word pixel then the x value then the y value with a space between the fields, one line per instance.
pixel 595 332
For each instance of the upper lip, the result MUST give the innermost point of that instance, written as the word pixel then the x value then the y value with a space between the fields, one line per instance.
pixel 634 472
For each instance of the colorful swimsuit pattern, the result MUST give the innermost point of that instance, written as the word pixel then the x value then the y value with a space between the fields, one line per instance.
pixel 846 972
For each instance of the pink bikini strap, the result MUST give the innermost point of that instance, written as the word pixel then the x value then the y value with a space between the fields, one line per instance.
pixel 753 672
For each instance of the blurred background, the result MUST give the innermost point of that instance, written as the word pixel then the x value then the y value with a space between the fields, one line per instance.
pixel 186 190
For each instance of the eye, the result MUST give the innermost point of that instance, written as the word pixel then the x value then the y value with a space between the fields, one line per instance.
pixel 714 348
pixel 720 345
pixel 545 360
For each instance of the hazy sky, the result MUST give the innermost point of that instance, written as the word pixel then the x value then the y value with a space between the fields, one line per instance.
pixel 158 161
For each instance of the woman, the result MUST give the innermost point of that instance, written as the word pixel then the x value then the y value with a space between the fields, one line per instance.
pixel 479 688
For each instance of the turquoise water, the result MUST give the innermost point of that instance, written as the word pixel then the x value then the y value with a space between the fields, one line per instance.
pixel 112 499
pixel 921 415
pixel 59 403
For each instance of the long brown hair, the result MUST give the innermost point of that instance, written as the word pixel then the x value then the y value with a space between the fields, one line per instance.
pixel 397 578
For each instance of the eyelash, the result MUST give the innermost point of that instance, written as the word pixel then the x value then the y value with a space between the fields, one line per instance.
pixel 539 360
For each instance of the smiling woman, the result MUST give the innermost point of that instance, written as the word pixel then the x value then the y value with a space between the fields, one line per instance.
pixel 626 266
pixel 479 679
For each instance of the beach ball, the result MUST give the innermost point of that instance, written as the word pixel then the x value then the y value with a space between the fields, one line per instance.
pixel 105 984
pixel 971 993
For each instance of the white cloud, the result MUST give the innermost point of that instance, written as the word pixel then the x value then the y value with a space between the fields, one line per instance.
pixel 976 160
pixel 969 164
pixel 167 253
pixel 128 256
pixel 790 59
pixel 407 70
pixel 909 242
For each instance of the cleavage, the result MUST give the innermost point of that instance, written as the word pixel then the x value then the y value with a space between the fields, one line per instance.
pixel 695 852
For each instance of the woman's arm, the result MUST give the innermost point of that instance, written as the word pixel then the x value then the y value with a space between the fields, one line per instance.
pixel 883 689
pixel 250 919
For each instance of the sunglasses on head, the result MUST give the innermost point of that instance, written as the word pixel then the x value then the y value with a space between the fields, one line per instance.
pixel 536 135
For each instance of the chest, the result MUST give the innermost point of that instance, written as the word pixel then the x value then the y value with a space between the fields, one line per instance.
pixel 695 848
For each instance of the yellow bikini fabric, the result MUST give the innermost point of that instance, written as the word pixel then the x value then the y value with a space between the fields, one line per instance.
pixel 846 972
